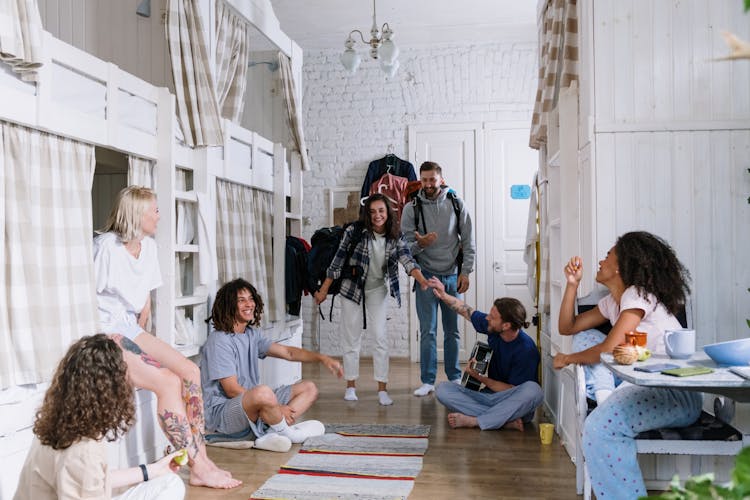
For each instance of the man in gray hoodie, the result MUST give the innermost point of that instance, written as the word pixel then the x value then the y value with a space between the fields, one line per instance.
pixel 438 229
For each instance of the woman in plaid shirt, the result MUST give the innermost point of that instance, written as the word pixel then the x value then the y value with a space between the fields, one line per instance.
pixel 366 277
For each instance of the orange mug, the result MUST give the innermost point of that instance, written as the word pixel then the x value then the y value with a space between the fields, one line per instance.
pixel 637 339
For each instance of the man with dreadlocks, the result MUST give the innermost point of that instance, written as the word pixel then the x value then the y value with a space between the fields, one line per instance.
pixel 233 396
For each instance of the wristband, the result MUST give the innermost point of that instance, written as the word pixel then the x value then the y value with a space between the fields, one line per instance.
pixel 144 471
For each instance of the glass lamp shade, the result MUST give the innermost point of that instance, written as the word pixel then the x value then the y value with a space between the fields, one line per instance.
pixel 388 52
pixel 350 60
pixel 389 69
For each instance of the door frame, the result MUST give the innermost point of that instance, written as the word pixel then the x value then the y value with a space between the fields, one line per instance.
pixel 414 130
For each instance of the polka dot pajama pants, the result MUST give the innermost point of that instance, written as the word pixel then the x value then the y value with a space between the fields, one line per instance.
pixel 609 434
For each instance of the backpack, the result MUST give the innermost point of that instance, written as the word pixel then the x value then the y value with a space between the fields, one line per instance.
pixel 418 214
pixel 324 245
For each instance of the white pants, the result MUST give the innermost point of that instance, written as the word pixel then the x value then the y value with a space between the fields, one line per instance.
pixel 166 487
pixel 351 333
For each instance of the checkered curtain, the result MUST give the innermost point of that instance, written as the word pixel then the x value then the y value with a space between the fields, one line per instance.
pixel 294 114
pixel 230 60
pixel 558 62
pixel 21 34
pixel 197 108
pixel 244 230
pixel 47 296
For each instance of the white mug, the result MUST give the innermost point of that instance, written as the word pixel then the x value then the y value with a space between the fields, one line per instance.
pixel 680 344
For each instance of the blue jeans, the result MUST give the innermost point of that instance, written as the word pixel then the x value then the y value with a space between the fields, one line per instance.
pixel 427 310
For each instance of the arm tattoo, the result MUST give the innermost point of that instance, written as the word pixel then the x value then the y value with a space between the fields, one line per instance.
pixel 462 309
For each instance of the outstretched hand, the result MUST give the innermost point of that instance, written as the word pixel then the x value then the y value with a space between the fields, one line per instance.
pixel 333 366
pixel 425 240
pixel 574 270
pixel 437 287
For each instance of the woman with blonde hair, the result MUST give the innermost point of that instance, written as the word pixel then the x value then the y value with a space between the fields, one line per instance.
pixel 127 270
pixel 90 401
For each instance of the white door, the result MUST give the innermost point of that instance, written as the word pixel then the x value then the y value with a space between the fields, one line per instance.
pixel 457 148
pixel 509 171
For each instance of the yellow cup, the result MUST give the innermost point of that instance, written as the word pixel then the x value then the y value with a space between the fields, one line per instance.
pixel 545 433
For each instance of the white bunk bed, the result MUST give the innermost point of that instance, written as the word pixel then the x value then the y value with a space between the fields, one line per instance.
pixel 92 101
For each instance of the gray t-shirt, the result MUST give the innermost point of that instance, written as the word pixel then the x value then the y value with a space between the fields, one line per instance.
pixel 227 354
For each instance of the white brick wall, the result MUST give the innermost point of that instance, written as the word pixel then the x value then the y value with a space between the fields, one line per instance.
pixel 351 120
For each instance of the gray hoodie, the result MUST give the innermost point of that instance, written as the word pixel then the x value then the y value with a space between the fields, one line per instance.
pixel 439 216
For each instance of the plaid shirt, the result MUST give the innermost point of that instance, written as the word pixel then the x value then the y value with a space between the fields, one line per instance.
pixel 395 251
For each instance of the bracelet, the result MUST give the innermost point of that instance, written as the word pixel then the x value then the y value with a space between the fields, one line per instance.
pixel 144 471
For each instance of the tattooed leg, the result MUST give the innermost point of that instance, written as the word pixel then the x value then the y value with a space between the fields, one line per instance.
pixel 128 345
pixel 191 394
pixel 177 430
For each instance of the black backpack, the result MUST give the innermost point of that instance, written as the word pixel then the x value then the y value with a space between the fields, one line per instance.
pixel 418 213
pixel 323 247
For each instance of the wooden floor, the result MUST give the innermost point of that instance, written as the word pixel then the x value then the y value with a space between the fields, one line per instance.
pixel 459 464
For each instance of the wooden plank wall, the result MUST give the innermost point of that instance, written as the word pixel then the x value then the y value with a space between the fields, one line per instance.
pixel 672 135
pixel 112 31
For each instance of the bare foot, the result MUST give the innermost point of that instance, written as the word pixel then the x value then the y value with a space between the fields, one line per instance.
pixel 204 472
pixel 213 479
pixel 456 420
pixel 516 424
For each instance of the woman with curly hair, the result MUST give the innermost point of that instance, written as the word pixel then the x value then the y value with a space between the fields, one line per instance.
pixel 378 250
pixel 90 401
pixel 127 270
pixel 647 286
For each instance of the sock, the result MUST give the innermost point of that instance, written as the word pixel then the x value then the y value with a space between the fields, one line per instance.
pixel 296 435
pixel 424 390
pixel 351 394
pixel 384 398
pixel 601 395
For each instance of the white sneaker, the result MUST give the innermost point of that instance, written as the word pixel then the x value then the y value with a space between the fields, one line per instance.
pixel 273 441
pixel 311 428
pixel 424 390
pixel 351 394
pixel 384 398
pixel 456 381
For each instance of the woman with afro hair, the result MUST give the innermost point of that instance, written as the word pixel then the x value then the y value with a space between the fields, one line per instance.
pixel 647 286
pixel 90 401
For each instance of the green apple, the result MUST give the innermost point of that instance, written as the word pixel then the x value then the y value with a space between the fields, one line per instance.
pixel 182 458
pixel 643 353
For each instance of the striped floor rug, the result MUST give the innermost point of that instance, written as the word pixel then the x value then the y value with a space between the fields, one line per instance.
pixel 352 461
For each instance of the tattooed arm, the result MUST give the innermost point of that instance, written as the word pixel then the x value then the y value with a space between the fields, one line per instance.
pixel 457 305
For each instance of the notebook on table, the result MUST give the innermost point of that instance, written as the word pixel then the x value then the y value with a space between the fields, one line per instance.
pixel 688 371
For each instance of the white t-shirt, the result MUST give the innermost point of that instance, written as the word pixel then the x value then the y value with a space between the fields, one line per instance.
pixel 376 269
pixel 123 283
pixel 656 319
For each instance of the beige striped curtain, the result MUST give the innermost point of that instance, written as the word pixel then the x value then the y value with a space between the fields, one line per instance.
pixel 197 108
pixel 558 62
pixel 21 34
pixel 294 111
pixel 47 296
pixel 230 60
pixel 244 239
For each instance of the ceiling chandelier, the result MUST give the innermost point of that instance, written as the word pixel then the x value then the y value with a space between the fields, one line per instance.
pixel 381 47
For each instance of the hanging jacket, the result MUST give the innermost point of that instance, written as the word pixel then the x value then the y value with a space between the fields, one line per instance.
pixel 378 168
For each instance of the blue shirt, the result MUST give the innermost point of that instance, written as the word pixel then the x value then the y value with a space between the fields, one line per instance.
pixel 513 362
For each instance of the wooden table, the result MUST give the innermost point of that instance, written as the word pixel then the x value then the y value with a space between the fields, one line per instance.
pixel 721 381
